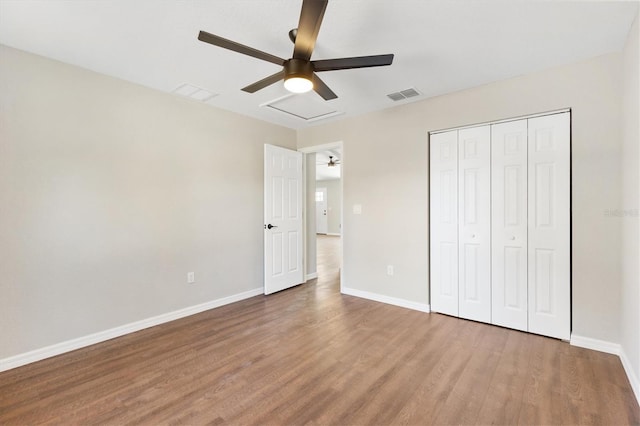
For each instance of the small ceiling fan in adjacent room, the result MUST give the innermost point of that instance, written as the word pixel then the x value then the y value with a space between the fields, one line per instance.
pixel 331 163
pixel 299 72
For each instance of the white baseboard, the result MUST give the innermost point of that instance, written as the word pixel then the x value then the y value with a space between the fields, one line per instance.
pixel 386 299
pixel 610 348
pixel 101 336
pixel 631 374
pixel 595 344
pixel 311 276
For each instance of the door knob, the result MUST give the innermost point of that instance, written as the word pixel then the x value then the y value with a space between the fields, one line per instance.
pixel 512 238
pixel 269 226
pixel 473 235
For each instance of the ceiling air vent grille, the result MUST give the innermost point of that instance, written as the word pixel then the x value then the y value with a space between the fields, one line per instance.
pixel 194 92
pixel 403 94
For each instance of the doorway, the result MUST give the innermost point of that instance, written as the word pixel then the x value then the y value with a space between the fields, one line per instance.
pixel 324 211
pixel 322 223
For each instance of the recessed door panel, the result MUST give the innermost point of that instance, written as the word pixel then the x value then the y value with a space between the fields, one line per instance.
pixel 443 211
pixel 474 175
pixel 515 260
pixel 509 224
pixel 294 192
pixel 549 226
pixel 470 290
pixel 449 270
pixel 294 251
pixel 544 282
pixel 447 198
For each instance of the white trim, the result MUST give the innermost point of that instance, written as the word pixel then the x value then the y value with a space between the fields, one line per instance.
pixel 631 375
pixel 333 234
pixel 311 276
pixel 422 307
pixel 595 344
pixel 101 336
pixel 541 114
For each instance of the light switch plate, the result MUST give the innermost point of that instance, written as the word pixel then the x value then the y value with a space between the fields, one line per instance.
pixel 357 209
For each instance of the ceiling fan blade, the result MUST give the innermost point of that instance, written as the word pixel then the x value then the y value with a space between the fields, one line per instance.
pixel 310 19
pixel 237 47
pixel 267 81
pixel 354 62
pixel 322 89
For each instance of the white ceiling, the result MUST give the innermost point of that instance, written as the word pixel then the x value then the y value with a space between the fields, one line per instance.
pixel 440 46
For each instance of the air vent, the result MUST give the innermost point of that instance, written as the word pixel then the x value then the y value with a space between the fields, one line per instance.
pixel 403 94
pixel 194 92
pixel 396 96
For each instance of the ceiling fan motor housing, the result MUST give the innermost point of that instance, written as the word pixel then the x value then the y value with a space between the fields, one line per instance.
pixel 298 68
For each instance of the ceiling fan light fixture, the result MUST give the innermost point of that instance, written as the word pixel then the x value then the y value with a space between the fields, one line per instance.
pixel 298 84
pixel 298 75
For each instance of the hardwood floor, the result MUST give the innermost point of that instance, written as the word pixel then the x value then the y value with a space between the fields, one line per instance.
pixel 309 355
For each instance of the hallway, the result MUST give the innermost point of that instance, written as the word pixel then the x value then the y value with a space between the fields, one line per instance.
pixel 328 252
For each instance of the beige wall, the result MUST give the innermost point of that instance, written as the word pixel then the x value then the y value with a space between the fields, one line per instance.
pixel 334 204
pixel 110 193
pixel 388 169
pixel 630 312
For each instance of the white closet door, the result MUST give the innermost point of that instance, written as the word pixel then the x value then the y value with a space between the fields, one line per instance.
pixel 509 224
pixel 549 225
pixel 443 213
pixel 474 232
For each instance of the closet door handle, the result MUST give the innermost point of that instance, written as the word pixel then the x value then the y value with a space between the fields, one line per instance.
pixel 512 238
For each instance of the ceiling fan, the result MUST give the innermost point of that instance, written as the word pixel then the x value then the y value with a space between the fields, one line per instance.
pixel 299 72
pixel 332 162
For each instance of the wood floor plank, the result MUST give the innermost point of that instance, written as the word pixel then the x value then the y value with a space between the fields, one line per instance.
pixel 505 391
pixel 310 355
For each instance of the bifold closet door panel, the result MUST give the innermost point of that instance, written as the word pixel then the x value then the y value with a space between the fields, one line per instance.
pixel 474 232
pixel 549 225
pixel 443 212
pixel 509 224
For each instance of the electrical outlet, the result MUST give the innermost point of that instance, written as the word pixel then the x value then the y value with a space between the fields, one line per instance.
pixel 389 270
pixel 191 277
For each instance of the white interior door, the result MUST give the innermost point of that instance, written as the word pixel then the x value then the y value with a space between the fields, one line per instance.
pixel 474 233
pixel 322 224
pixel 283 250
pixel 443 219
pixel 549 225
pixel 509 224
